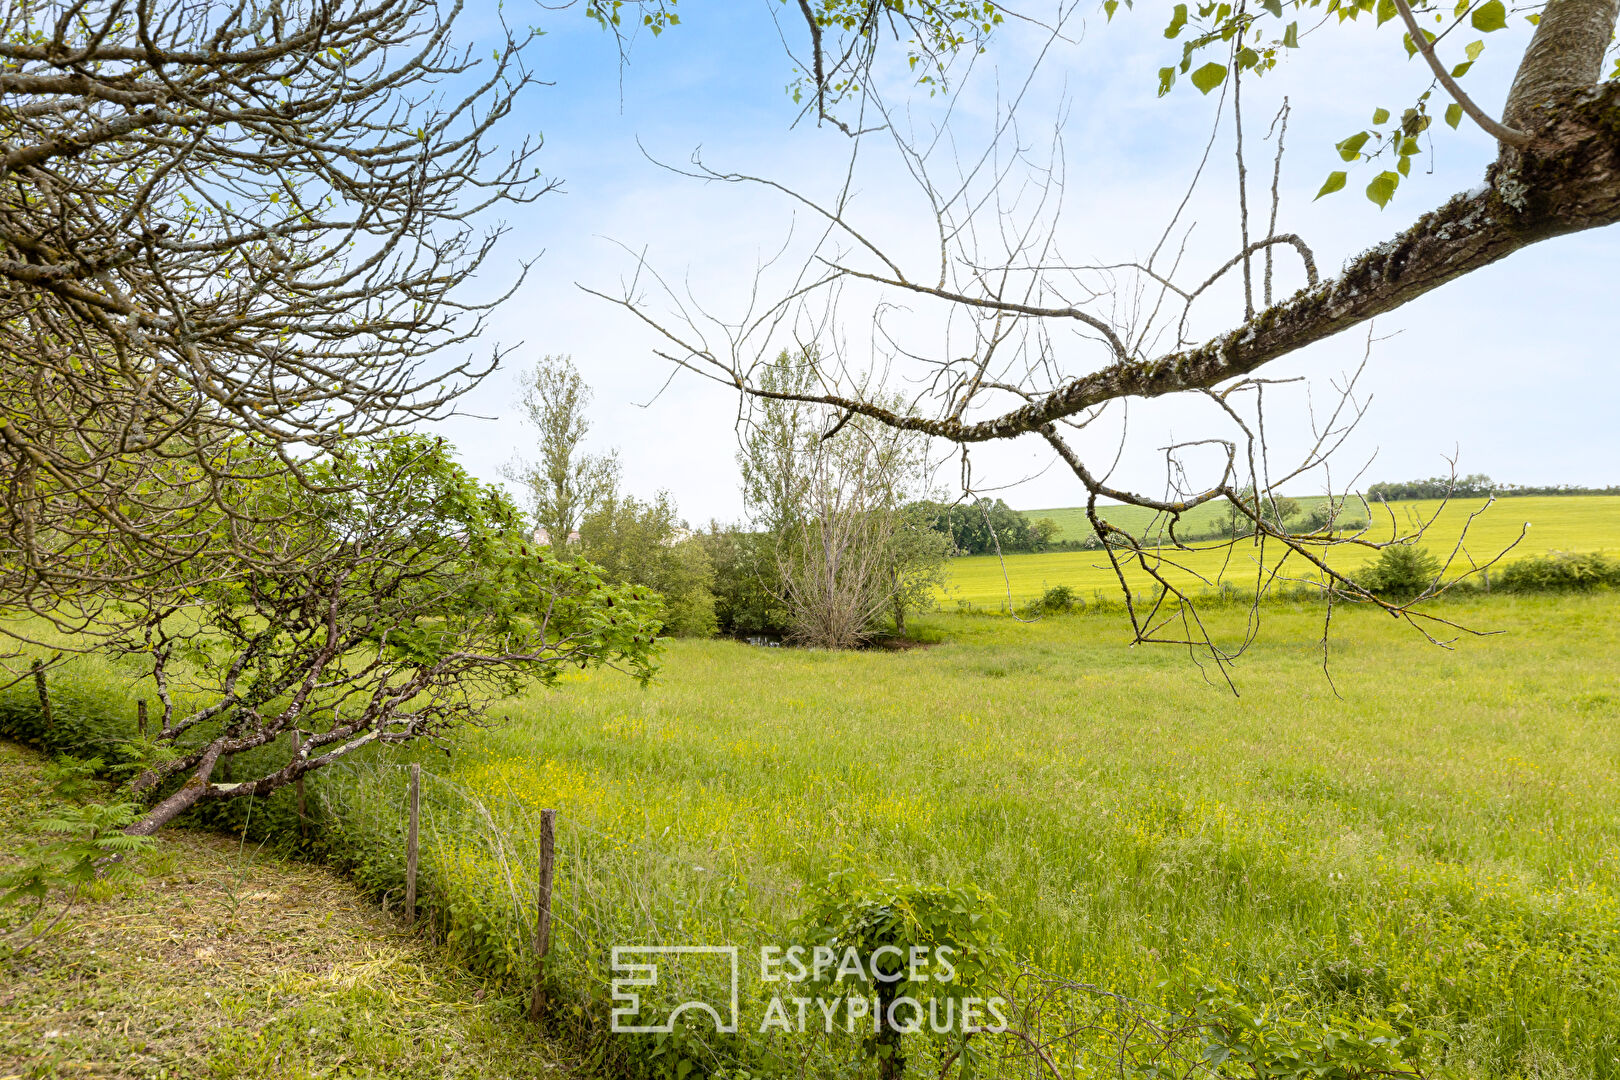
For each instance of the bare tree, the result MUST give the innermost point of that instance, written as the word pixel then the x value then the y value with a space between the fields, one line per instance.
pixel 566 484
pixel 225 228
pixel 835 565
pixel 849 551
pixel 1040 345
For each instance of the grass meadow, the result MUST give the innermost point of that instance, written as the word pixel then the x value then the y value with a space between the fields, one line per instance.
pixel 1444 836
pixel 1438 834
pixel 1557 523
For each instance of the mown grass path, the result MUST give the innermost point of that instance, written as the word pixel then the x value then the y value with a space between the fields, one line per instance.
pixel 226 963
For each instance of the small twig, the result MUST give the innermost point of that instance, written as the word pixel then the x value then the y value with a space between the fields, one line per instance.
pixel 1500 132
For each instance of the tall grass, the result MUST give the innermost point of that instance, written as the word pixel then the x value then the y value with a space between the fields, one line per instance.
pixel 1444 836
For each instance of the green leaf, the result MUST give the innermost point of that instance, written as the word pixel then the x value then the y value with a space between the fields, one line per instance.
pixel 1461 69
pixel 1473 49
pixel 1273 6
pixel 1291 36
pixel 1110 6
pixel 1350 148
pixel 1382 189
pixel 1386 11
pixel 1405 166
pixel 1411 49
pixel 1167 77
pixel 1209 76
pixel 1453 115
pixel 1177 21
pixel 1380 116
pixel 1335 181
pixel 1489 16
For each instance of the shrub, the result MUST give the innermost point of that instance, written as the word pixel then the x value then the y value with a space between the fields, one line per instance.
pixel 1400 572
pixel 886 922
pixel 747 581
pixel 1057 600
pixel 1559 572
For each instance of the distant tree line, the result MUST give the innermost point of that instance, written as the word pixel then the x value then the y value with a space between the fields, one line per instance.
pixel 987 526
pixel 1475 485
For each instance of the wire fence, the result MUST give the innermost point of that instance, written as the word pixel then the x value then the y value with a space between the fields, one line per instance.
pixel 480 888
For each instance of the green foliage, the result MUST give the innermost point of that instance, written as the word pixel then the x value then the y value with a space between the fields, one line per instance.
pixel 1574 523
pixel 564 484
pixel 91 714
pixel 1250 38
pixel 72 778
pixel 1332 514
pixel 1283 842
pixel 747 587
pixel 1334 182
pixel 832 494
pixel 1277 510
pixel 1271 1040
pixel 1058 600
pixel 917 554
pixel 934 32
pixel 1475 485
pixel 980 526
pixel 645 543
pixel 1559 572
pixel 886 925
pixel 1400 572
pixel 396 598
pixel 416 561
pixel 87 841
pixel 1042 532
pixel 851 908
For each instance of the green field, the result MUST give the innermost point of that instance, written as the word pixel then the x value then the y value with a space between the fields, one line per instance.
pixel 1444 836
pixel 1558 523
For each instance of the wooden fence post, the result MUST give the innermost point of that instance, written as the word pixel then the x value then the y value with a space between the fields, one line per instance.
pixel 542 922
pixel 298 784
pixel 140 716
pixel 410 843
pixel 44 694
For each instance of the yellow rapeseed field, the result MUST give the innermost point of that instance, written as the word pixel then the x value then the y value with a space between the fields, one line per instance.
pixel 1556 523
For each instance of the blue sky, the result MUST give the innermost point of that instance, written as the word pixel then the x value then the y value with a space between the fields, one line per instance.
pixel 1510 368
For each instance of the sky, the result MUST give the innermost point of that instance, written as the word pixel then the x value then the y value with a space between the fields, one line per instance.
pixel 1508 370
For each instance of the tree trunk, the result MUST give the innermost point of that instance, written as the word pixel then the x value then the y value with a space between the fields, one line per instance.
pixel 179 802
pixel 1565 55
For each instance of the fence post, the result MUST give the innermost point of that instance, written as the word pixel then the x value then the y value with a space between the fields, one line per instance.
pixel 410 843
pixel 298 784
pixel 542 922
pixel 140 716
pixel 44 694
